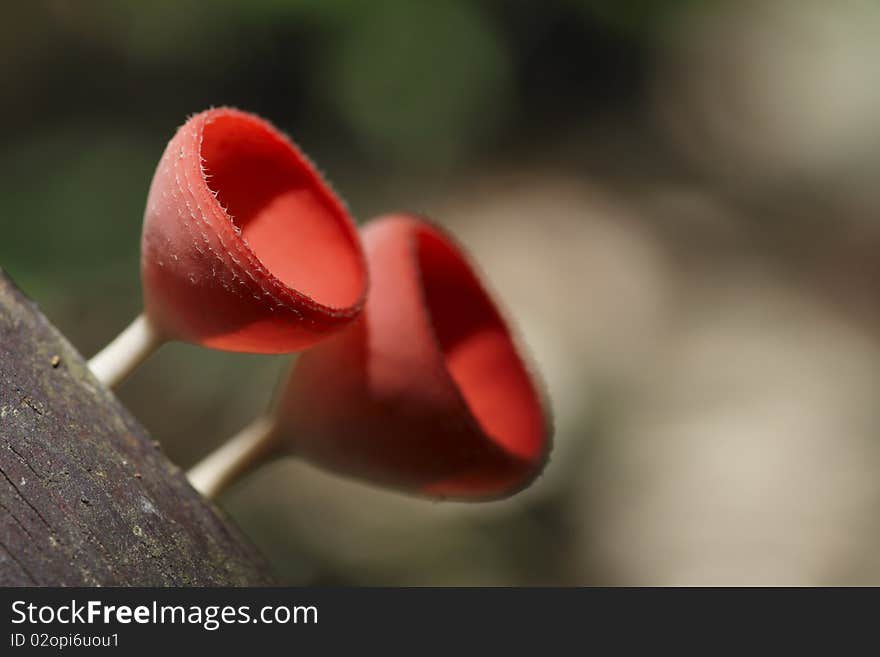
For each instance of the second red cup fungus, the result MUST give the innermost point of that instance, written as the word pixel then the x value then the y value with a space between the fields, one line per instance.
pixel 425 392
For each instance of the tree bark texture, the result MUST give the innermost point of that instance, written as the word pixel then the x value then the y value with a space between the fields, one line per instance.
pixel 86 497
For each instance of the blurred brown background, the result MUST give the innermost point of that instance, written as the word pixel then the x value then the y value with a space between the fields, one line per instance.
pixel 677 200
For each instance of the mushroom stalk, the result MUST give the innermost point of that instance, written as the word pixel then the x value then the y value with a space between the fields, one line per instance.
pixel 253 445
pixel 129 349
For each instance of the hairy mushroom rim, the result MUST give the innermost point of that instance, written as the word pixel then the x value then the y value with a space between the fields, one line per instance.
pixel 286 214
pixel 478 350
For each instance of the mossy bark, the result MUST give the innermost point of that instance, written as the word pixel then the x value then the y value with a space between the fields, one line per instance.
pixel 86 497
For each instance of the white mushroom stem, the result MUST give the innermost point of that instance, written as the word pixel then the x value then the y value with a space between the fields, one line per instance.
pixel 129 349
pixel 252 446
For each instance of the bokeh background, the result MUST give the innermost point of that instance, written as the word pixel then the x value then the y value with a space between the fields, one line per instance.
pixel 678 201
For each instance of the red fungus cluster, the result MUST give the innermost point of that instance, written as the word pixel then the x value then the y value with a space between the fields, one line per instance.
pixel 417 385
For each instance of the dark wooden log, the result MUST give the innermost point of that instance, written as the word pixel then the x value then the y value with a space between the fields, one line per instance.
pixel 86 497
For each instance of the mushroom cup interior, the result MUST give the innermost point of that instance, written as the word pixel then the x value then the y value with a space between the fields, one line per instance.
pixel 478 350
pixel 287 215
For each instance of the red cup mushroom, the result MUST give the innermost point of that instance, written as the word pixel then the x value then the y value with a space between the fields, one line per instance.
pixel 425 392
pixel 245 247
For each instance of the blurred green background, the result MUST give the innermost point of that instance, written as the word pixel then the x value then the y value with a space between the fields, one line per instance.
pixel 677 201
